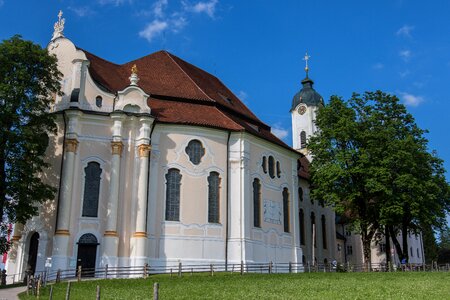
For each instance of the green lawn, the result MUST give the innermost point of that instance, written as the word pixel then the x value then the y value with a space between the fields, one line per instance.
pixel 407 285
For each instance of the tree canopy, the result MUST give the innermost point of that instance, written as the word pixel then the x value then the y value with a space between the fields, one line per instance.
pixel 371 163
pixel 29 80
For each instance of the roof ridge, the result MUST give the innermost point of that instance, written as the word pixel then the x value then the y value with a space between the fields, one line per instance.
pixel 184 72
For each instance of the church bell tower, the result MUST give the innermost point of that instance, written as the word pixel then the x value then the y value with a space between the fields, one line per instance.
pixel 303 111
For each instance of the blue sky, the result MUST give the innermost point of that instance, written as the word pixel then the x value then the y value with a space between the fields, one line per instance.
pixel 256 47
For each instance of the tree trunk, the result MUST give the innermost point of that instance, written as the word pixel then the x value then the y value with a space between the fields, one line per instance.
pixel 366 239
pixel 398 248
pixel 405 241
pixel 388 245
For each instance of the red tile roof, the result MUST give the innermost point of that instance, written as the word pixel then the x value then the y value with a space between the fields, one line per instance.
pixel 181 93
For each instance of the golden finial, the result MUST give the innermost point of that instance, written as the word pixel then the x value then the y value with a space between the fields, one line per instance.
pixel 134 69
pixel 306 58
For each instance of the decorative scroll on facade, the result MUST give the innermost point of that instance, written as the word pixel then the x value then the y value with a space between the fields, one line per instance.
pixel 71 145
pixel 117 148
pixel 144 150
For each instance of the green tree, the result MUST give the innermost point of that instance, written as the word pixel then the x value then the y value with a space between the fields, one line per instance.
pixel 29 80
pixel 371 164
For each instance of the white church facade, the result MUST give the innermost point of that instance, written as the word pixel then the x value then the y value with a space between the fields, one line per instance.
pixel 157 162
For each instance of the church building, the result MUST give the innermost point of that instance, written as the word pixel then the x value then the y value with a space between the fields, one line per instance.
pixel 156 161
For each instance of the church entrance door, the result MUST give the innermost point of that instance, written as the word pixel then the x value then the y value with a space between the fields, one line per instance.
pixel 87 254
pixel 33 252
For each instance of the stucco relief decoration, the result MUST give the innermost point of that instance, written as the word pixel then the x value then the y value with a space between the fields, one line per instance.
pixel 144 150
pixel 116 148
pixel 272 212
pixel 71 145
pixel 59 27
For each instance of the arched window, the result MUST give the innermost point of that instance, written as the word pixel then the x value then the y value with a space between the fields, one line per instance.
pixel 303 139
pixel 418 256
pixel 271 167
pixel 92 174
pixel 256 203
pixel 195 151
pixel 411 250
pixel 286 209
pixel 99 101
pixel 264 164
pixel 213 197
pixel 324 232
pixel 278 169
pixel 173 181
pixel 301 217
pixel 300 194
pixel 313 228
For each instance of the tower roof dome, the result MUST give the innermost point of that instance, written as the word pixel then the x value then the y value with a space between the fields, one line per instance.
pixel 307 95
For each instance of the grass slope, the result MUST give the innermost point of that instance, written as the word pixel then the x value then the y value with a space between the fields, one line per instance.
pixel 408 285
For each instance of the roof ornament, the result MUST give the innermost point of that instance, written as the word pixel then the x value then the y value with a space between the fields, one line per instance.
pixel 134 77
pixel 306 58
pixel 59 26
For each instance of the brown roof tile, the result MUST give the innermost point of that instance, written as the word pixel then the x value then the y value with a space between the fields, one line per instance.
pixel 181 93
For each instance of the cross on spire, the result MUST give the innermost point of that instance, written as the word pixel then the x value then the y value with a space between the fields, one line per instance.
pixel 306 59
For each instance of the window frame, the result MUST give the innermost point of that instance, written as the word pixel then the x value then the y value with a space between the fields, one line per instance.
pixel 88 192
pixel 214 217
pixel 175 216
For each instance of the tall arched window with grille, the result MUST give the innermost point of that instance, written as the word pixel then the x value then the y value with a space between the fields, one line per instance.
pixel 303 139
pixel 256 203
pixel 286 209
pixel 213 197
pixel 313 228
pixel 301 216
pixel 324 232
pixel 173 182
pixel 92 174
pixel 300 194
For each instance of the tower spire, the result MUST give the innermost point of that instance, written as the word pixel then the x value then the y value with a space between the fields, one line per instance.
pixel 306 59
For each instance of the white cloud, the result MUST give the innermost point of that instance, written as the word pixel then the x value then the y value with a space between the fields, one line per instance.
pixel 113 2
pixel 405 31
pixel 411 100
pixel 153 29
pixel 242 95
pixel 279 131
pixel 159 7
pixel 208 8
pixel 405 54
pixel 177 23
pixel 82 11
pixel 378 66
pixel 404 73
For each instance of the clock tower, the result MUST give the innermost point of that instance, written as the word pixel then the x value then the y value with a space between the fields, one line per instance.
pixel 303 111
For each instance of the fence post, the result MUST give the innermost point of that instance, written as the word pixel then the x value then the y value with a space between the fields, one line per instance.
pixel 309 267
pixel 290 267
pixel 38 289
pixel 97 295
pixel 68 291
pixel 106 271
pixel 211 269
pixel 155 291
pixel 145 270
pixel 79 273
pixel 170 272
pixel 270 267
pixel 180 266
pixel 51 293
pixel 242 267
pixel 58 276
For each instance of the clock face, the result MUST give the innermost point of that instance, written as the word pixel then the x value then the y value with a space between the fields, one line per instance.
pixel 302 109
